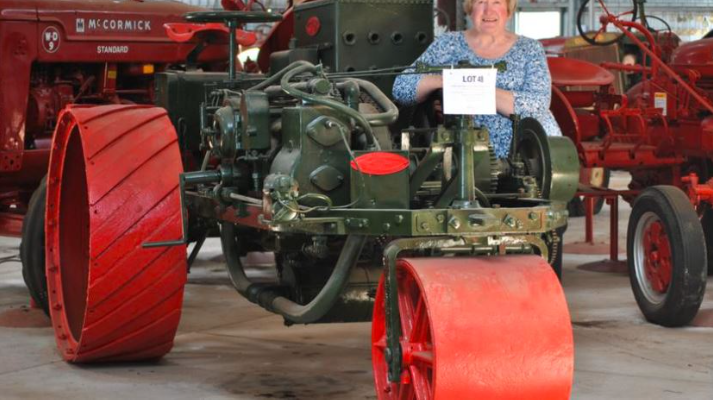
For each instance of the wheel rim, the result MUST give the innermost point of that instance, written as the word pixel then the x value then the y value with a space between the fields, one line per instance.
pixel 652 258
pixel 418 357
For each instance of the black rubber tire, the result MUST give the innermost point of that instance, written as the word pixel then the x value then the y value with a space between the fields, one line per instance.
pixel 707 225
pixel 32 248
pixel 681 301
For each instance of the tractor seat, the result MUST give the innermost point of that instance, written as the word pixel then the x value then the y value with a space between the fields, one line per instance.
pixel 571 72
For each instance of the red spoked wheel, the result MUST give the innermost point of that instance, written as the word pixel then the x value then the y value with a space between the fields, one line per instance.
pixel 666 256
pixel 657 256
pixel 495 327
pixel 112 186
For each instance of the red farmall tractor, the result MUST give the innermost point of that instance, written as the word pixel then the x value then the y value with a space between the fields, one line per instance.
pixel 78 52
pixel 661 131
pixel 447 247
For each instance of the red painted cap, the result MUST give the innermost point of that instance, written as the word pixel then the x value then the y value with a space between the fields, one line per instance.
pixel 313 26
pixel 380 163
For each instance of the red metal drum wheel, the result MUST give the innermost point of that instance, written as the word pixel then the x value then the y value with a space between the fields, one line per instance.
pixel 477 328
pixel 112 186
pixel 666 256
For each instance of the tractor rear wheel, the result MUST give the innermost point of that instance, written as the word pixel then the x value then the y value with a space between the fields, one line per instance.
pixel 495 327
pixel 666 256
pixel 32 248
pixel 112 186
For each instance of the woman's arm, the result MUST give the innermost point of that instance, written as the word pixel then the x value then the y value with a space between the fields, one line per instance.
pixel 534 96
pixel 504 102
pixel 411 89
pixel 427 85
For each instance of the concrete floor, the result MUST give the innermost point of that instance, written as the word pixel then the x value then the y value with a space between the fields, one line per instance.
pixel 229 348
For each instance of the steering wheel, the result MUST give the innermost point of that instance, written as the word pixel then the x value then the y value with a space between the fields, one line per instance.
pixel 238 17
pixel 593 39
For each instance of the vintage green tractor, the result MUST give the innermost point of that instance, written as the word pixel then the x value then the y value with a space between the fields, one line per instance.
pixel 425 231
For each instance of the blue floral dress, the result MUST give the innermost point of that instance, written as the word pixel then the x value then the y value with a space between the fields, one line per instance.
pixel 527 76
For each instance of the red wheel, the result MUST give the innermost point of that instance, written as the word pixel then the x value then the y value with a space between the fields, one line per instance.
pixel 657 259
pixel 495 327
pixel 113 185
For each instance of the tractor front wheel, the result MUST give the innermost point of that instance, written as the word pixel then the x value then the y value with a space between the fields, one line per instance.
pixel 491 327
pixel 32 248
pixel 113 186
pixel 666 256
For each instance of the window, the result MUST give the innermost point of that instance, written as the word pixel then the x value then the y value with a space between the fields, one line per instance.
pixel 538 24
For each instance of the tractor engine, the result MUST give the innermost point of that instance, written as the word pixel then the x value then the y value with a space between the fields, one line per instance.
pixel 286 154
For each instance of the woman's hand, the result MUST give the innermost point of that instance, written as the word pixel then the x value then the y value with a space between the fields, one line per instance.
pixel 427 85
pixel 504 102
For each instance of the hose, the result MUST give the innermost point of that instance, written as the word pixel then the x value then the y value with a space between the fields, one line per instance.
pixel 339 107
pixel 279 74
pixel 269 298
pixel 389 116
pixel 391 112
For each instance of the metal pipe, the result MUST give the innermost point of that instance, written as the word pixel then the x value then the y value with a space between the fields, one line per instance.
pixel 388 117
pixel 278 75
pixel 202 177
pixel 656 60
pixel 233 26
pixel 571 17
pixel 614 228
pixel 391 112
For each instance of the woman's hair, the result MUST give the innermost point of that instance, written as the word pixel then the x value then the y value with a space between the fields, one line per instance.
pixel 468 6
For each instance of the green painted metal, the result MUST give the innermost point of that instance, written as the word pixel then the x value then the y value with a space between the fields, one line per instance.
pixel 284 176
pixel 346 44
pixel 380 191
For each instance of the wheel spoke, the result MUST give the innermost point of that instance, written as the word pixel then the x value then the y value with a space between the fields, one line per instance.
pixel 425 357
pixel 604 7
pixel 406 388
pixel 406 315
pixel 599 32
pixel 420 322
pixel 421 385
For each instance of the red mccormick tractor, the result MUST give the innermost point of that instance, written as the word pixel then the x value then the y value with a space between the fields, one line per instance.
pixel 76 52
pixel 661 131
pixel 446 244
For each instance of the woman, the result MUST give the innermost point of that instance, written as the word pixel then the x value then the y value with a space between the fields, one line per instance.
pixel 523 89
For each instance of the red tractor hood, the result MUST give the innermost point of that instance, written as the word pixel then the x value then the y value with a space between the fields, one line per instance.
pixel 107 30
pixel 697 55
pixel 99 20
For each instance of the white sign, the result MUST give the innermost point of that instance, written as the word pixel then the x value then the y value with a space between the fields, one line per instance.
pixel 661 102
pixel 469 91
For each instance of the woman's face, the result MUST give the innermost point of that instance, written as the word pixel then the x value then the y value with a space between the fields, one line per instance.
pixel 490 16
